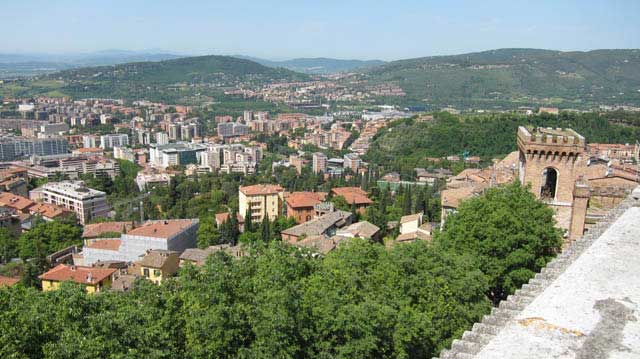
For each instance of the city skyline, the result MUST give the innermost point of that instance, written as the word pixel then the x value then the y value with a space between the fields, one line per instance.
pixel 347 30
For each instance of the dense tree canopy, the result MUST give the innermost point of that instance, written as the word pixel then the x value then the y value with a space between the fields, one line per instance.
pixel 509 233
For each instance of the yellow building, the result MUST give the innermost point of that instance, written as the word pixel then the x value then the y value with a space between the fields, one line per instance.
pixel 158 265
pixel 93 279
pixel 262 200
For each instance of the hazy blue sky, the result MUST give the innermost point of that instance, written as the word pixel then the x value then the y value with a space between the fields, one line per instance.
pixel 333 28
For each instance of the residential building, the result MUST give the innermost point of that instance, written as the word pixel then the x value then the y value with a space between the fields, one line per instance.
pixel 90 141
pixel 326 225
pixel 319 162
pixel 162 138
pixel 354 197
pixel 413 228
pixel 93 279
pixel 157 265
pixel 114 140
pixel 75 196
pixel 301 205
pixel 362 229
pixel 261 200
pixel 146 181
pixel 352 162
pixel 12 148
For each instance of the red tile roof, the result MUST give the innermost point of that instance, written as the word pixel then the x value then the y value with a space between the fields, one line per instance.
pixel 78 274
pixel 96 229
pixel 48 210
pixel 8 281
pixel 161 229
pixel 305 199
pixel 352 195
pixel 261 189
pixel 106 244
pixel 14 201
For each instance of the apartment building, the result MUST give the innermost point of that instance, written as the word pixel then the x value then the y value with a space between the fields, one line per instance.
pixel 12 148
pixel 87 203
pixel 114 140
pixel 319 162
pixel 262 200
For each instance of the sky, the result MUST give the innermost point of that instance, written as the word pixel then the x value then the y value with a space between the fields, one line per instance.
pixel 280 29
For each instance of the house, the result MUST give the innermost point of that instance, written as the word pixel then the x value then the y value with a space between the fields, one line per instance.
pixel 324 225
pixel 412 228
pixel 451 199
pixel 320 244
pixel 362 229
pixel 301 205
pixel 158 264
pixel 354 196
pixel 8 281
pixel 261 200
pixel 93 279
pixel 224 216
pixel 198 257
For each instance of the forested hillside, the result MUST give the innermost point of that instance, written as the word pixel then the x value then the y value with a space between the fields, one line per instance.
pixel 509 77
pixel 406 144
pixel 167 80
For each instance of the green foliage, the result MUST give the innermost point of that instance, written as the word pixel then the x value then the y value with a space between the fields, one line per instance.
pixel 509 234
pixel 208 234
pixel 406 144
pixel 48 237
pixel 360 301
pixel 8 246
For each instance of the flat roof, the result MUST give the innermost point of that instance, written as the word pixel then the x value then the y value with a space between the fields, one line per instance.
pixel 161 229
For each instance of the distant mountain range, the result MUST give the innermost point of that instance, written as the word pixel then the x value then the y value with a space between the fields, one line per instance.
pixel 495 79
pixel 317 66
pixel 17 65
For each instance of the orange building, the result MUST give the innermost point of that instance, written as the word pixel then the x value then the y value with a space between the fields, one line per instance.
pixel 300 205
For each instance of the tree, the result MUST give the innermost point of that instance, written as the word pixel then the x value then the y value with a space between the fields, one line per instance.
pixel 339 202
pixel 508 232
pixel 48 237
pixel 208 234
pixel 407 203
pixel 8 246
pixel 248 224
pixel 265 229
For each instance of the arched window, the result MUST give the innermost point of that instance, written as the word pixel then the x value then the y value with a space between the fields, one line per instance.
pixel 549 183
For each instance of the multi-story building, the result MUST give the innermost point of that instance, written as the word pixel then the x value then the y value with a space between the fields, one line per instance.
pixel 90 141
pixel 174 131
pixel 261 200
pixel 301 205
pixel 231 129
pixel 162 138
pixel 169 235
pixel 319 162
pixel 87 203
pixel 12 148
pixel 352 161
pixel 114 140
pixel 176 154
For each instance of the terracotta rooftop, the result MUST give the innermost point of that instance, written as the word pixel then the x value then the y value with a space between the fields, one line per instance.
pixel 106 244
pixel 96 229
pixel 305 199
pixel 221 217
pixel 453 197
pixel 410 218
pixel 78 274
pixel 261 189
pixel 89 149
pixel 8 281
pixel 14 201
pixel 352 195
pixel 47 210
pixel 162 229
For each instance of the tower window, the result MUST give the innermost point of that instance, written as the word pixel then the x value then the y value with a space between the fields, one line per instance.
pixel 549 183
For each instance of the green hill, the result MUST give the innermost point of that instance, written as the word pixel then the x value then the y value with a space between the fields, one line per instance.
pixel 508 77
pixel 194 78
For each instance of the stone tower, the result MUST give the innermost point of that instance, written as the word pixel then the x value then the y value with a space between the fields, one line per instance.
pixel 552 161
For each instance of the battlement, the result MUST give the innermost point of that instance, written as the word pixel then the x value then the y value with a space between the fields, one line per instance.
pixel 542 140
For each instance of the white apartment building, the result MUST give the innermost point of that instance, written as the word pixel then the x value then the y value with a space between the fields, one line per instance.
pixel 162 138
pixel 87 203
pixel 114 140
